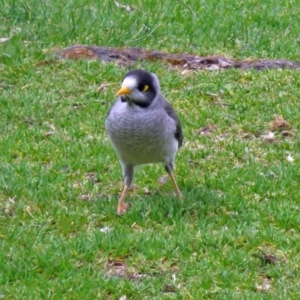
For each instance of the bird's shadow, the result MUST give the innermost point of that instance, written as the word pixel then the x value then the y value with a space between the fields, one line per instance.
pixel 163 207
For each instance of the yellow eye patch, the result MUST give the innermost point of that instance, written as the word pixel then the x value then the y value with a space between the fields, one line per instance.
pixel 146 88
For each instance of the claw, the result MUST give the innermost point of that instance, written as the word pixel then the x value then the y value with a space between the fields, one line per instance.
pixel 122 208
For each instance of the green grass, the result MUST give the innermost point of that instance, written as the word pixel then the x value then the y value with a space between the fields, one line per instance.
pixel 59 191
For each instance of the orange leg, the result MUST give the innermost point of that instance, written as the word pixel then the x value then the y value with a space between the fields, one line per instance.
pixel 177 191
pixel 122 205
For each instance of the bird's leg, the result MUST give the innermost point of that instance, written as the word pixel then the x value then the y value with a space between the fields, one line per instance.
pixel 122 205
pixel 169 169
pixel 128 176
pixel 177 191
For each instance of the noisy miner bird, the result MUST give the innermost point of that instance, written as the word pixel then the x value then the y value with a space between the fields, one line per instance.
pixel 143 127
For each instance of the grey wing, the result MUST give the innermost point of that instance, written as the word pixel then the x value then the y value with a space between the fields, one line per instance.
pixel 111 108
pixel 171 112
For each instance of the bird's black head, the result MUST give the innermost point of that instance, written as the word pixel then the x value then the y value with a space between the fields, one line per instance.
pixel 139 87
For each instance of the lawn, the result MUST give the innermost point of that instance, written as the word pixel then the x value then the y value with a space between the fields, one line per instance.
pixel 236 233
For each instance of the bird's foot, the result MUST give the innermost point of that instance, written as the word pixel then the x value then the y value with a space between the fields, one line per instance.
pixel 122 208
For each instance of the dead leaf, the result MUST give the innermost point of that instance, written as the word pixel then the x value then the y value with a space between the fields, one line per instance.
pixel 174 269
pixel 207 129
pixel 224 63
pixel 265 285
pixel 213 95
pixel 52 127
pixel 85 197
pixel 47 62
pixel 163 179
pixel 169 288
pixel 290 159
pixel 136 275
pixel 185 72
pixel 135 226
pixel 105 229
pixel 9 207
pixel 279 124
pixel 266 258
pixel 76 185
pixel 92 177
pixel 4 85
pixel 49 133
pixel 269 136
pixel 126 7
pixel 174 278
pixel 3 40
pixel 118 268
pixel 147 191
pixel 193 163
pixel 213 68
pixel 103 86
pixel 272 174
pixel 287 133
pixel 246 135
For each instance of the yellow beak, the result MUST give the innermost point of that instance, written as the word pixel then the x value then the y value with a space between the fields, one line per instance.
pixel 124 91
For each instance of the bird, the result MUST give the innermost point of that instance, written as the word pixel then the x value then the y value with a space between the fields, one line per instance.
pixel 143 128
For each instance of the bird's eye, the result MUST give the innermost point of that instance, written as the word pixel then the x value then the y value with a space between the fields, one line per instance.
pixel 143 88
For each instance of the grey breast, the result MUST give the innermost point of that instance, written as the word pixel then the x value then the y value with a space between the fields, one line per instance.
pixel 140 136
